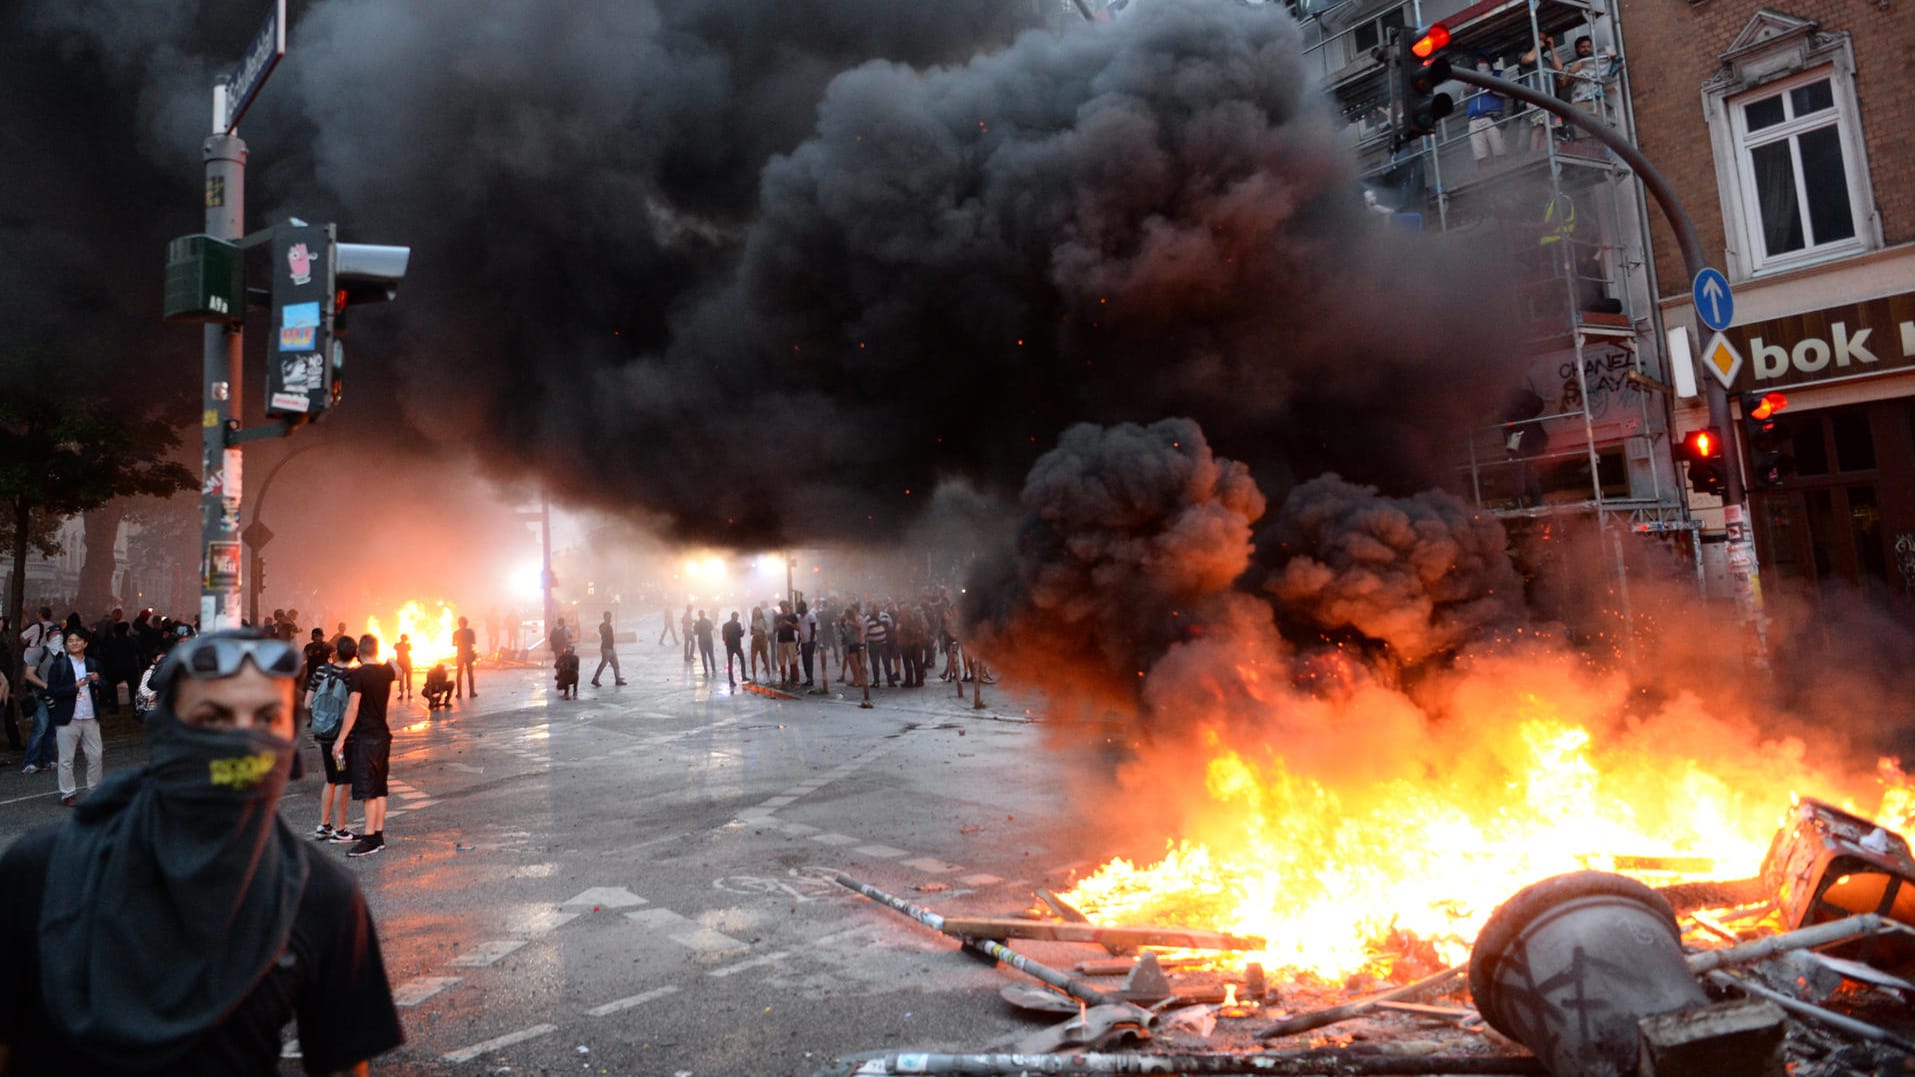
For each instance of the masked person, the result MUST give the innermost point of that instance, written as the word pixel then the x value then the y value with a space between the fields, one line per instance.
pixel 174 923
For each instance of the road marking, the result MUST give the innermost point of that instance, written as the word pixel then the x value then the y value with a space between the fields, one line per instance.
pixel 834 839
pixel 777 802
pixel 796 830
pixel 609 897
pixel 980 879
pixel 540 921
pixel 32 796
pixel 467 1054
pixel 754 814
pixel 486 953
pixel 420 804
pixel 846 935
pixel 935 867
pixel 413 992
pixel 751 963
pixel 882 852
pixel 629 1001
pixel 685 931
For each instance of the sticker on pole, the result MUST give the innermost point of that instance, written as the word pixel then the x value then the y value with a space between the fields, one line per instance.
pixel 1722 359
pixel 1715 303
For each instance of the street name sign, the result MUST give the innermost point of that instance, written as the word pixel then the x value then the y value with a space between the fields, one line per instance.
pixel 261 56
pixel 1715 303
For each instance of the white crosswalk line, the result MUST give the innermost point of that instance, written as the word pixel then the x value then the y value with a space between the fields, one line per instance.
pixel 629 1001
pixel 467 1054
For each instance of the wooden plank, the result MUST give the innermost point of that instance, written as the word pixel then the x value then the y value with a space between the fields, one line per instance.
pixel 1102 935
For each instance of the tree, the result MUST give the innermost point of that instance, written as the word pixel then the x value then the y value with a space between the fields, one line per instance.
pixel 60 455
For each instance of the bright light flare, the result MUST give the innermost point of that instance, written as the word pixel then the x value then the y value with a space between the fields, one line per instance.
pixel 430 629
pixel 710 568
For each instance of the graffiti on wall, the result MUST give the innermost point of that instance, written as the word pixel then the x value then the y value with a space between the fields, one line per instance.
pixel 1606 375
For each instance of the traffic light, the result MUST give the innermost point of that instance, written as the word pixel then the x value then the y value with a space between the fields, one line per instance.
pixel 363 273
pixel 1419 68
pixel 1769 458
pixel 1702 451
pixel 315 278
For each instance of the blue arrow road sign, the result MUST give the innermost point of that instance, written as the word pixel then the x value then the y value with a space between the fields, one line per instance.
pixel 1715 304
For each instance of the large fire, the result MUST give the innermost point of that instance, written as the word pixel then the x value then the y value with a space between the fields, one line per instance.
pixel 1342 880
pixel 428 628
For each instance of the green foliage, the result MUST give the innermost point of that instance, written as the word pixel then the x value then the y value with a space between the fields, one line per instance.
pixel 62 453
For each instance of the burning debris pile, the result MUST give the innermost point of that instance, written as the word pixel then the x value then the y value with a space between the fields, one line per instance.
pixel 1587 974
pixel 1444 837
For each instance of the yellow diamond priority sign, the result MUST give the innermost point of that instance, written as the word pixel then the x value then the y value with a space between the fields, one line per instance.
pixel 1723 360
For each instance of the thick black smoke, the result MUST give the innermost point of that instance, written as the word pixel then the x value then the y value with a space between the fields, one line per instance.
pixel 753 271
pixel 1421 575
pixel 1130 536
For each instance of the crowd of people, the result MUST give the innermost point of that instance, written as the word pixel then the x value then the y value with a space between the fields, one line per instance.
pixel 875 642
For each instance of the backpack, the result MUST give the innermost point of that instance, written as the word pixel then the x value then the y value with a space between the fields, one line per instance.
pixel 329 701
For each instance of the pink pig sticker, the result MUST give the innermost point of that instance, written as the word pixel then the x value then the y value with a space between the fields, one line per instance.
pixel 300 260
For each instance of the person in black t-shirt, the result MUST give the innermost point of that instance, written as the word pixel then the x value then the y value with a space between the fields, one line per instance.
pixel 365 743
pixel 607 652
pixel 465 644
pixel 174 923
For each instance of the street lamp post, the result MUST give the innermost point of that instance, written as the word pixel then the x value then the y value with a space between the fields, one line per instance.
pixel 257 534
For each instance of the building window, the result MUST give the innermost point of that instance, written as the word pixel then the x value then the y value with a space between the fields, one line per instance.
pixel 1795 184
pixel 1786 130
pixel 1370 33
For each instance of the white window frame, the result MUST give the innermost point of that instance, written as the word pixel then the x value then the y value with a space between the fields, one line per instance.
pixel 1753 73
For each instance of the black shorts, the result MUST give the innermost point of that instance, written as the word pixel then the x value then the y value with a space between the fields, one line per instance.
pixel 335 774
pixel 369 759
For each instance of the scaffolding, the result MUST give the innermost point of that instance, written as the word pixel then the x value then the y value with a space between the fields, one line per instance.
pixel 1574 218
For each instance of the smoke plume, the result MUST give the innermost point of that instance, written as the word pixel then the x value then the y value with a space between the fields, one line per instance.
pixel 755 273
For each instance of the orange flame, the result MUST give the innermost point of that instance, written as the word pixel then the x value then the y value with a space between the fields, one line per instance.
pixel 1354 879
pixel 429 630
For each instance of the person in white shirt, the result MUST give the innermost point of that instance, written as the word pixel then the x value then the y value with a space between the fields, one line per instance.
pixel 74 707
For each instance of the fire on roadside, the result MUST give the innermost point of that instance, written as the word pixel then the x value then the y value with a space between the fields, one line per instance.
pixel 428 624
pixel 1397 874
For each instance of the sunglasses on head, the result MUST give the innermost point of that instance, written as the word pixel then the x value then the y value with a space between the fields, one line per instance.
pixel 217 657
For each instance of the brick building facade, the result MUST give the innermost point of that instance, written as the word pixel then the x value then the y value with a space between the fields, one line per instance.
pixel 1788 131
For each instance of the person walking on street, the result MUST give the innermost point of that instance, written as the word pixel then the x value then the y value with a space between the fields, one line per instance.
pixel 365 744
pixel 665 620
pixel 685 623
pixel 607 653
pixel 174 923
pixel 465 644
pixel 734 633
pixel 73 708
pixel 702 628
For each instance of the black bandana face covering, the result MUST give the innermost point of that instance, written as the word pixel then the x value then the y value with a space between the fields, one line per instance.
pixel 170 893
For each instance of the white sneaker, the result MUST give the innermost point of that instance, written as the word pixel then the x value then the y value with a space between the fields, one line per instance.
pixel 29 769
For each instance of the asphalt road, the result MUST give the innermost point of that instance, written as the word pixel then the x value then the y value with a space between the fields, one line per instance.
pixel 639 882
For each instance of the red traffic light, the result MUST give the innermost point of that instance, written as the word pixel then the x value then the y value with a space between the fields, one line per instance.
pixel 1433 40
pixel 1703 444
pixel 1767 406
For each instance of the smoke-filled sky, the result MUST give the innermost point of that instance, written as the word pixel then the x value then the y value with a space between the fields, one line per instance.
pixel 753 272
